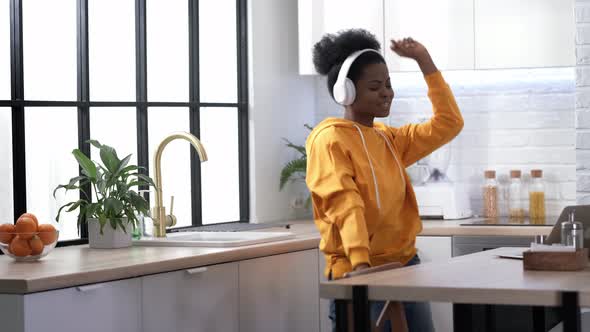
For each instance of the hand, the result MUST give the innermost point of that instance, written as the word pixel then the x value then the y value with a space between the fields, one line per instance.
pixel 409 48
pixel 361 267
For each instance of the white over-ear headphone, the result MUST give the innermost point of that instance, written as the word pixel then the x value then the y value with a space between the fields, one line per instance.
pixel 344 91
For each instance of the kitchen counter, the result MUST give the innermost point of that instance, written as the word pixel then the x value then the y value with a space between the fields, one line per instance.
pixel 79 265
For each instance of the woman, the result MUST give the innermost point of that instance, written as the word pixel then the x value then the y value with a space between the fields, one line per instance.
pixel 364 204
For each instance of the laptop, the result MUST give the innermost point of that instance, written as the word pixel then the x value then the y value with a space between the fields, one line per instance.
pixel 581 214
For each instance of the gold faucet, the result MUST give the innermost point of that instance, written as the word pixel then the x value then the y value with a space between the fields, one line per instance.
pixel 161 220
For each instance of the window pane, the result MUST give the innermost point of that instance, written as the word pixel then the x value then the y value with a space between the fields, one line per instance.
pixel 5 51
pixel 220 174
pixel 111 30
pixel 176 174
pixel 218 51
pixel 49 46
pixel 6 203
pixel 167 50
pixel 51 135
pixel 115 127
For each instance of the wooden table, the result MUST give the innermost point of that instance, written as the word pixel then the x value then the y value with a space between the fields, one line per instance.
pixel 480 278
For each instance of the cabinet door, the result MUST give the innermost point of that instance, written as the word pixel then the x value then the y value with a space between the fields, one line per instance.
pixel 318 17
pixel 432 249
pixel 112 306
pixel 200 299
pixel 524 33
pixel 280 293
pixel 444 27
pixel 325 322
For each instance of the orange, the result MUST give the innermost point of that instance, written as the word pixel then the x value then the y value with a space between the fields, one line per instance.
pixel 36 245
pixel 47 233
pixel 30 215
pixel 26 228
pixel 7 233
pixel 20 247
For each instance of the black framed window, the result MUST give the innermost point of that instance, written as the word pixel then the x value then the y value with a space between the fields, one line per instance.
pixel 127 73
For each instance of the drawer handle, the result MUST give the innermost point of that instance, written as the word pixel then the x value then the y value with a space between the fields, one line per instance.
pixel 89 288
pixel 196 270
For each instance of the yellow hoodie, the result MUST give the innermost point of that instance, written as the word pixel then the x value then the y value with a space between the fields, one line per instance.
pixel 363 201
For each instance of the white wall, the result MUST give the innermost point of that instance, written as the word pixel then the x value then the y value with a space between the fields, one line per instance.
pixel 281 101
pixel 521 118
pixel 583 101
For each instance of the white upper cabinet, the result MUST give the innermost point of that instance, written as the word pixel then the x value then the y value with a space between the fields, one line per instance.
pixel 318 17
pixel 459 34
pixel 524 33
pixel 445 27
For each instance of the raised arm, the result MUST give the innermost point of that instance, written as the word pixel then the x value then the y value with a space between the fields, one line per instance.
pixel 416 141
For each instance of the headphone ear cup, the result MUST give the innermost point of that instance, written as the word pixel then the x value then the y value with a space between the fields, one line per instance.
pixel 350 93
pixel 339 92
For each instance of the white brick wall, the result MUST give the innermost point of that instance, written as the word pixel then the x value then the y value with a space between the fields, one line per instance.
pixel 521 119
pixel 583 101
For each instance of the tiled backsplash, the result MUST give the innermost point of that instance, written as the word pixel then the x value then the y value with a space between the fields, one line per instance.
pixel 583 101
pixel 514 119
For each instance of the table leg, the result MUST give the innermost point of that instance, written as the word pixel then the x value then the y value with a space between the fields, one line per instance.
pixel 462 317
pixel 341 315
pixel 571 312
pixel 539 319
pixel 361 310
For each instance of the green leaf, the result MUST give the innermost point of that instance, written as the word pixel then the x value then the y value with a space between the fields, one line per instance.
pixel 76 204
pixel 146 179
pixel 299 148
pixel 102 220
pixel 113 207
pixel 293 167
pixel 87 165
pixel 95 143
pixel 61 208
pixel 109 158
pixel 122 165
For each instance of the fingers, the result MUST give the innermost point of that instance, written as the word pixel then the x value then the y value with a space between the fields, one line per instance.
pixel 405 43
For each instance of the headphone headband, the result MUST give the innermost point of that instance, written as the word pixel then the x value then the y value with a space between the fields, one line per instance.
pixel 349 61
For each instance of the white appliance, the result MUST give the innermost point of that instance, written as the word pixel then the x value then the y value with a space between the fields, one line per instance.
pixel 438 197
pixel 442 201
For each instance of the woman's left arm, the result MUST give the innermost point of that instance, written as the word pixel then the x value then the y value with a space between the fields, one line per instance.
pixel 416 141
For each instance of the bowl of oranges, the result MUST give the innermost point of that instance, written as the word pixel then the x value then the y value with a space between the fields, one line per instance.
pixel 27 240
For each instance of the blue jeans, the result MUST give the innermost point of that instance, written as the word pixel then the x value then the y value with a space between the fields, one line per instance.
pixel 418 314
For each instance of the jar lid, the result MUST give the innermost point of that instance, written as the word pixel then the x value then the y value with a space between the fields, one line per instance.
pixel 515 173
pixel 537 173
pixel 490 174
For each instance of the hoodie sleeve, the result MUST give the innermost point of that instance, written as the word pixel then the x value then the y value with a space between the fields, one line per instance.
pixel 335 195
pixel 416 141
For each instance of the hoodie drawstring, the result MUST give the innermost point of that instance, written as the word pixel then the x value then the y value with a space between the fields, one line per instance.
pixel 371 163
pixel 399 165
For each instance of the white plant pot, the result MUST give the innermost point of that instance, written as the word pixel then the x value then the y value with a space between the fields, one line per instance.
pixel 111 238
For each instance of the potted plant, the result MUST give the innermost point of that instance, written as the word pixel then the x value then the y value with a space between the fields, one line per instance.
pixel 114 202
pixel 295 171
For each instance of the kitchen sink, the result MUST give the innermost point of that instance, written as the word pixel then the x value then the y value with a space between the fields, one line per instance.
pixel 214 239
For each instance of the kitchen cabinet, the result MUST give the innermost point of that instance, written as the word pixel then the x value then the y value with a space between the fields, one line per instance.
pixel 318 17
pixel 197 299
pixel 444 27
pixel 524 33
pixel 110 306
pixel 433 249
pixel 459 34
pixel 280 293
pixel 325 322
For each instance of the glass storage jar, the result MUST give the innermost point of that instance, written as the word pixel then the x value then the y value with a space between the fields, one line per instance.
pixel 537 197
pixel 515 207
pixel 490 194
